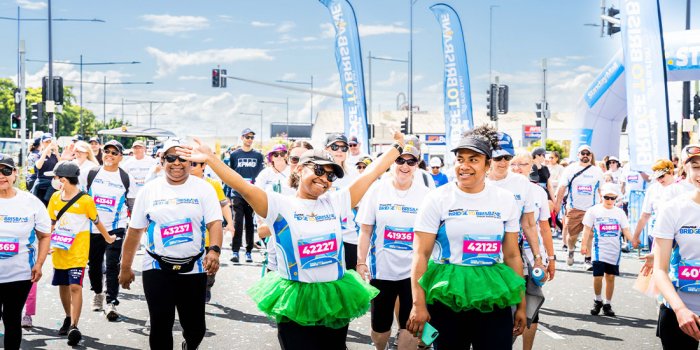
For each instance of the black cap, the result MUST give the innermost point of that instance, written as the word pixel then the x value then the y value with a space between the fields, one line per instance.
pixel 336 137
pixel 116 144
pixel 538 151
pixel 321 157
pixel 64 169
pixel 77 138
pixel 475 144
pixel 7 160
pixel 353 140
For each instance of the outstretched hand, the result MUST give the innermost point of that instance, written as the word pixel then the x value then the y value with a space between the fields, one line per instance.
pixel 197 152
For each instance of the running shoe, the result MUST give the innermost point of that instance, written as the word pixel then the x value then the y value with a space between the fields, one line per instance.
pixel 608 311
pixel 564 248
pixel 597 305
pixel 235 257
pixel 259 245
pixel 74 336
pixel 111 312
pixel 66 326
pixel 207 298
pixel 570 258
pixel 98 302
pixel 248 257
pixel 27 321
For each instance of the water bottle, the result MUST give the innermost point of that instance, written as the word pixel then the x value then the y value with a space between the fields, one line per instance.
pixel 538 276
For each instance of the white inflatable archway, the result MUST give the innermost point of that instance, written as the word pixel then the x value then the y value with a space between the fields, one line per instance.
pixel 603 108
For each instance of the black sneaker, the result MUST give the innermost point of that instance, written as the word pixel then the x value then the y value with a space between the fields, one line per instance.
pixel 597 305
pixel 65 328
pixel 234 258
pixel 74 336
pixel 608 311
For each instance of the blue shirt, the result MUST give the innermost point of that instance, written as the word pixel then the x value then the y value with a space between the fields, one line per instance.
pixel 440 179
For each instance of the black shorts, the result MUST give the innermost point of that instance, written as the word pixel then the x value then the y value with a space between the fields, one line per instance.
pixel 600 268
pixel 672 337
pixel 383 304
pixel 66 277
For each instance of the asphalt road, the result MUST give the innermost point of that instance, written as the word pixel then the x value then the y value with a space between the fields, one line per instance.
pixel 233 321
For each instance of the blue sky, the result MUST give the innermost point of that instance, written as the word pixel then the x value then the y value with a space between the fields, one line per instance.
pixel 178 42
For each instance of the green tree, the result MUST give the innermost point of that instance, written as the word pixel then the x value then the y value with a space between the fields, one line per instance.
pixel 551 146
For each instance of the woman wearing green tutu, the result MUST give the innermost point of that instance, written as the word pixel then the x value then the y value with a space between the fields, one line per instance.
pixel 311 296
pixel 475 276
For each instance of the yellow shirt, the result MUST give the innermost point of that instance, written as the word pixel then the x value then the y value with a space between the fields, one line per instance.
pixel 76 220
pixel 219 195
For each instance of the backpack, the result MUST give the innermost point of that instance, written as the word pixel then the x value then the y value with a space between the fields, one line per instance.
pixel 122 174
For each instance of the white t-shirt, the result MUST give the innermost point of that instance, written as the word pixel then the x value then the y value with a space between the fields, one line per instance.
pixel 307 235
pixel 607 226
pixel 633 181
pixel 583 192
pixel 679 220
pixel 520 187
pixel 84 170
pixel 175 217
pixel 20 217
pixel 350 230
pixel 555 172
pixel 392 213
pixel 658 194
pixel 151 174
pixel 107 190
pixel 138 169
pixel 270 179
pixel 470 227
pixel 541 202
pixel 616 175
pixel 352 160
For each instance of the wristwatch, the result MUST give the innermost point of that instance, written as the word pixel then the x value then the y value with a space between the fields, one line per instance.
pixel 552 258
pixel 215 248
pixel 537 256
pixel 397 146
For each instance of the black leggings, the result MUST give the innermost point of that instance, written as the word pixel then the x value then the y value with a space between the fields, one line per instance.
pixel 13 295
pixel 166 291
pixel 98 249
pixel 672 337
pixel 293 336
pixel 242 214
pixel 383 304
pixel 460 330
pixel 350 255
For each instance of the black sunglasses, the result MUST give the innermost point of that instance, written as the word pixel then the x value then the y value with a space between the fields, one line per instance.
pixel 6 171
pixel 335 147
pixel 402 161
pixel 249 137
pixel 171 158
pixel 359 167
pixel 435 167
pixel 508 158
pixel 113 153
pixel 585 153
pixel 195 163
pixel 609 198
pixel 319 171
pixel 279 154
pixel 294 159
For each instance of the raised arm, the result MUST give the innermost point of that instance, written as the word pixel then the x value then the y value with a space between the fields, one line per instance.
pixel 374 170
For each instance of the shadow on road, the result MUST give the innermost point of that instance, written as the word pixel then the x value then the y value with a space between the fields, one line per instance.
pixel 619 321
pixel 51 338
pixel 236 315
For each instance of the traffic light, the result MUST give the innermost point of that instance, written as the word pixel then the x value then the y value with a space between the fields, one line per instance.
pixel 613 28
pixel 223 78
pixel 57 91
pixel 215 78
pixel 404 126
pixel 38 113
pixel 503 99
pixel 673 134
pixel 15 120
pixel 696 106
pixel 492 100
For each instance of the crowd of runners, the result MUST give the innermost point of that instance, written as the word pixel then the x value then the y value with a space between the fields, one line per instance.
pixel 453 251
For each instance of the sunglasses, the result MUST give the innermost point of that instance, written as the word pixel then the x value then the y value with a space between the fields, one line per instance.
pixel 320 171
pixel 113 153
pixel 360 167
pixel 279 154
pixel 585 153
pixel 435 167
pixel 402 161
pixel 507 158
pixel 193 163
pixel 294 159
pixel 249 137
pixel 519 165
pixel 353 145
pixel 609 198
pixel 335 147
pixel 6 171
pixel 171 158
pixel 694 150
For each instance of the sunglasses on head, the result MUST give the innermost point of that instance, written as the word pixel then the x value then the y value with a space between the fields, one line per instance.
pixel 279 154
pixel 6 171
pixel 585 153
pixel 294 159
pixel 248 137
pixel 319 171
pixel 335 147
pixel 694 150
pixel 171 158
pixel 507 158
pixel 402 161
pixel 113 153
pixel 610 198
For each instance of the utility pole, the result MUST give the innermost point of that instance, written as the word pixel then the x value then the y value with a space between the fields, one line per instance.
pixel 49 94
pixel 685 109
pixel 545 107
pixel 22 104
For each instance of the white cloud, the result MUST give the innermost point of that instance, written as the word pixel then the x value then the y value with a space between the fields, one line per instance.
pixel 381 29
pixel 286 27
pixel 393 79
pixel 31 5
pixel 225 18
pixel 167 24
pixel 260 24
pixel 169 62
pixel 289 76
pixel 192 77
pixel 327 30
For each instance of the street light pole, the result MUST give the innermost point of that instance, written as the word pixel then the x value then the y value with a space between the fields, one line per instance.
pixel 311 84
pixel 491 39
pixel 410 69
pixel 49 93
pixel 369 59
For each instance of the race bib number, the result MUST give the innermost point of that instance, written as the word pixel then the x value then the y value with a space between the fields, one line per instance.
pixel 318 251
pixel 398 238
pixel 584 190
pixel 481 250
pixel 176 232
pixel 689 276
pixel 633 179
pixel 9 247
pixel 106 203
pixel 62 239
pixel 609 229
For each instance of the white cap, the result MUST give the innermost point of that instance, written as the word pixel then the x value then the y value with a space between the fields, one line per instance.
pixel 170 143
pixel 435 161
pixel 608 188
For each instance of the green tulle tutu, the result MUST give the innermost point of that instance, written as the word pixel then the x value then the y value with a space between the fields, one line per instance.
pixel 472 287
pixel 330 304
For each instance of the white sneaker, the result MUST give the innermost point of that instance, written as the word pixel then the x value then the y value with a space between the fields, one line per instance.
pixel 98 302
pixel 570 258
pixel 27 321
pixel 111 312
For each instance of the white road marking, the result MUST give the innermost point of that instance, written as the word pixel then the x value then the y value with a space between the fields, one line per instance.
pixel 548 332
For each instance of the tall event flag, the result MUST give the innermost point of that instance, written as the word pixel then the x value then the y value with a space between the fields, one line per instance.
pixel 457 93
pixel 647 96
pixel 348 56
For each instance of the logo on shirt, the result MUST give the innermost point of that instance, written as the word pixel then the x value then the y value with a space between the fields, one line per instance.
pixel 517 197
pixel 689 230
pixel 175 201
pixel 109 183
pixel 13 219
pixel 398 207
pixel 313 218
pixel 476 213
pixel 247 163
